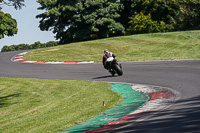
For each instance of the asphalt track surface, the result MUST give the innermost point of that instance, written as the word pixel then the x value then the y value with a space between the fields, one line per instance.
pixel 183 76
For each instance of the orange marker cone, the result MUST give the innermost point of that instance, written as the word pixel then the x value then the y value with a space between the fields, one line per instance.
pixel 104 104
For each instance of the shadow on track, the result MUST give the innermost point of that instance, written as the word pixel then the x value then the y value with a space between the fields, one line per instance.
pixel 102 77
pixel 184 119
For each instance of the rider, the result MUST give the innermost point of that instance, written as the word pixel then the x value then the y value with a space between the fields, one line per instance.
pixel 106 55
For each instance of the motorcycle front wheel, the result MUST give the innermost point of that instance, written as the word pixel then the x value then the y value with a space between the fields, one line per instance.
pixel 118 70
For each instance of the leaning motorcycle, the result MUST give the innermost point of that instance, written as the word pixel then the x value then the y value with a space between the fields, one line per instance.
pixel 114 66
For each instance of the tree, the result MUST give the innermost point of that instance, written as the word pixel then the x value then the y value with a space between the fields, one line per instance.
pixel 16 3
pixel 8 25
pixel 144 24
pixel 188 14
pixel 5 49
pixel 127 10
pixel 160 10
pixel 77 20
pixel 180 14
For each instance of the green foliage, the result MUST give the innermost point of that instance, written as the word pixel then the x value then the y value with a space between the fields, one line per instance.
pixel 8 25
pixel 127 9
pixel 154 16
pixel 79 20
pixel 144 24
pixel 166 15
pixel 17 4
pixel 160 10
pixel 27 46
pixel 188 14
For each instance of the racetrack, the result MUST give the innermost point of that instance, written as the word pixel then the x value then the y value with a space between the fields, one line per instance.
pixel 183 76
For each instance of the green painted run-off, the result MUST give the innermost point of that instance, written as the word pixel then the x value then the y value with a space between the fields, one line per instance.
pixel 131 102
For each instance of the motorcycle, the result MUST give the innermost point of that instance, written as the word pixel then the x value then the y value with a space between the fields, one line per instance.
pixel 114 67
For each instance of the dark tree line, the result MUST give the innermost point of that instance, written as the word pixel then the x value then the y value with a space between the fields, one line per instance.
pixel 29 46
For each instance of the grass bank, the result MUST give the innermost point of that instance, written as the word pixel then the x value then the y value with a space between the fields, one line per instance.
pixel 33 105
pixel 142 47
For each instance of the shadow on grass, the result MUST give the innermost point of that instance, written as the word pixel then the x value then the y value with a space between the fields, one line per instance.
pixel 4 100
pixel 185 118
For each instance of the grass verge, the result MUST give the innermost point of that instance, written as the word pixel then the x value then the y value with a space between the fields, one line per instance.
pixel 35 105
pixel 142 47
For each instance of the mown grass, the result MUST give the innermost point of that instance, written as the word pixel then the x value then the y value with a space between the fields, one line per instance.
pixel 143 47
pixel 33 105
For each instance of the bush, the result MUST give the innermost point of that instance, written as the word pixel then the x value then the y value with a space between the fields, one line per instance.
pixel 144 24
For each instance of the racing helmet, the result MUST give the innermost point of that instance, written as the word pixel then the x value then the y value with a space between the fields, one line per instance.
pixel 105 51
